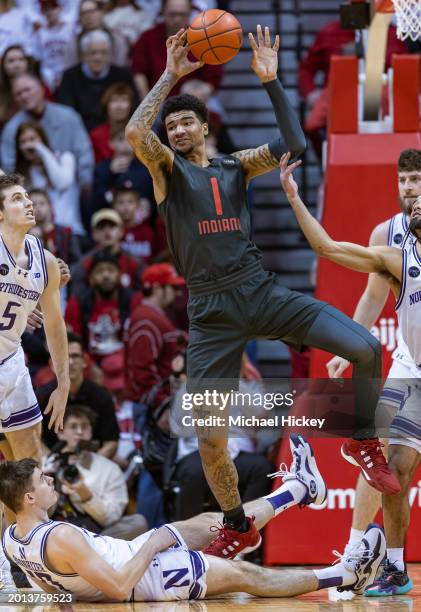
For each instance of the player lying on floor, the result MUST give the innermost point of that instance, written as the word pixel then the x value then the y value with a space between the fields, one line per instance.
pixel 165 564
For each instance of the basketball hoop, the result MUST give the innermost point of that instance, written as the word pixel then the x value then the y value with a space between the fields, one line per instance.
pixel 408 15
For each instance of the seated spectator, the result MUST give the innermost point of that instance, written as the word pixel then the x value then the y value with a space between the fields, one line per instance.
pixel 141 238
pixel 128 19
pixel 118 104
pixel 15 27
pixel 83 85
pixel 152 341
pixel 331 40
pixel 149 52
pixel 99 315
pixel 54 173
pixel 96 486
pixel 84 391
pixel 122 167
pixel 62 125
pixel 13 63
pixel 55 237
pixel 107 233
pixel 253 467
pixel 51 40
pixel 91 17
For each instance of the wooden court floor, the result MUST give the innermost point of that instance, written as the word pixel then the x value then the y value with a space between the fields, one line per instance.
pixel 312 602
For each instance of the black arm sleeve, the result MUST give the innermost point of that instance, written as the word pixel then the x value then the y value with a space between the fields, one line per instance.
pixel 292 136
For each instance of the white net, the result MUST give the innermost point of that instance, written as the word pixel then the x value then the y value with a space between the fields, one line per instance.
pixel 408 16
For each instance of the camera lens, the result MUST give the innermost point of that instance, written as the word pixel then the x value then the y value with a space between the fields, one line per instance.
pixel 71 473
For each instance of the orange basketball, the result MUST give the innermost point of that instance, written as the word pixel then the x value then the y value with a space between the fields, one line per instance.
pixel 215 36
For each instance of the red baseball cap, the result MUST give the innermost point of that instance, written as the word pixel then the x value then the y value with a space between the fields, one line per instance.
pixel 161 274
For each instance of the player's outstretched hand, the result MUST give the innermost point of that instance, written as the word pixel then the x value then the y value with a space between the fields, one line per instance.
pixel 287 179
pixel 57 406
pixel 35 320
pixel 65 275
pixel 177 51
pixel 265 56
pixel 337 366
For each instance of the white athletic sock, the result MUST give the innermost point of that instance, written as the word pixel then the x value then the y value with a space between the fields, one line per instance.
pixel 395 556
pixel 355 536
pixel 334 576
pixel 292 492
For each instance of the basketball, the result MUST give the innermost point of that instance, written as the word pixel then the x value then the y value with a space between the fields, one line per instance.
pixel 215 36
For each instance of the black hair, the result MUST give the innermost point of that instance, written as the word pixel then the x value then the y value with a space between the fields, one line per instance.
pixel 15 481
pixel 72 337
pixel 409 160
pixel 185 102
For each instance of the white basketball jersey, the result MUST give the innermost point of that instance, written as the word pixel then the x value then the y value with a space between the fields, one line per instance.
pixel 408 305
pixel 20 291
pixel 28 554
pixel 398 227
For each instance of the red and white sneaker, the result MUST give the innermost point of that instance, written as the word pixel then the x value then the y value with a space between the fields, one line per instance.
pixel 230 542
pixel 368 455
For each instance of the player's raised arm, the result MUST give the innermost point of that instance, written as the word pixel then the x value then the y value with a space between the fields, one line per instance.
pixel 265 64
pixel 347 254
pixel 55 332
pixel 145 143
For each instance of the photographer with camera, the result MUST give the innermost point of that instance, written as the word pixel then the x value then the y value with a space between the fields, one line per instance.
pixel 93 490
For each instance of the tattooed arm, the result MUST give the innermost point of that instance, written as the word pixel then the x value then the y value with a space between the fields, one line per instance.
pixel 265 65
pixel 145 143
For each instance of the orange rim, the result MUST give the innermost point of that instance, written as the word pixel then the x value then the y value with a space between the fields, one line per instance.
pixel 384 6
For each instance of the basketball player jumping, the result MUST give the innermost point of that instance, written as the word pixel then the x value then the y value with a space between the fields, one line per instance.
pixel 392 233
pixel 28 275
pixel 164 564
pixel 401 268
pixel 231 297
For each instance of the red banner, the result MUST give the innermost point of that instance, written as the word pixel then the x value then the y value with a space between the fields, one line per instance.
pixel 308 535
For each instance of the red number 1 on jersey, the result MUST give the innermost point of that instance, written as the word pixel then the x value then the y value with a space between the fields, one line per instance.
pixel 216 196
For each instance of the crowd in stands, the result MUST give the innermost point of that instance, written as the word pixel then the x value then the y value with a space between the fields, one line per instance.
pixel 71 74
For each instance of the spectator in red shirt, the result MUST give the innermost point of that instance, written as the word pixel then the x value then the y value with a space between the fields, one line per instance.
pixel 100 314
pixel 152 340
pixel 118 105
pixel 121 167
pixel 107 233
pixel 331 40
pixel 149 52
pixel 141 238
pixel 59 239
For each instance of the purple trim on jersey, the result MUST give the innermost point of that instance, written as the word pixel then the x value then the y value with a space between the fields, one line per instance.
pixel 417 257
pixel 8 357
pixel 393 397
pixel 405 425
pixel 403 282
pixel 390 232
pixel 43 262
pixel 405 222
pixel 21 417
pixel 9 254
pixel 31 534
pixel 174 533
pixel 198 570
pixel 42 551
pixel 30 254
